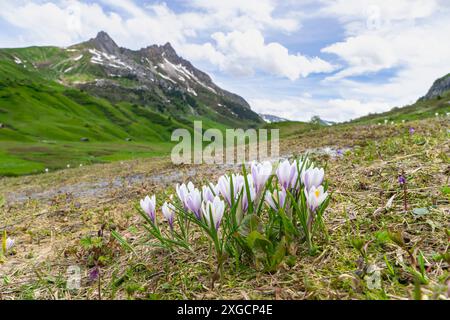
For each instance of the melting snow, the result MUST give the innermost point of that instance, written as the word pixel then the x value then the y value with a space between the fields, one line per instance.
pixel 190 90
pixel 78 58
pixel 17 60
pixel 99 57
pixel 166 77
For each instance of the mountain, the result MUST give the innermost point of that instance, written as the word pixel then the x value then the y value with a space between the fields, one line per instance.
pixel 97 102
pixel 269 118
pixel 154 77
pixel 439 88
pixel 436 101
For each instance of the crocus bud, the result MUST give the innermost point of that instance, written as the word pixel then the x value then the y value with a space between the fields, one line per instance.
pixel 149 205
pixel 215 209
pixel 260 174
pixel 168 211
pixel 224 186
pixel 285 174
pixel 9 244
pixel 194 202
pixel 209 192
pixel 312 177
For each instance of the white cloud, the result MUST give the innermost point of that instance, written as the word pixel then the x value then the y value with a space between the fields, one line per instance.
pixel 243 53
pixel 303 108
pixel 410 40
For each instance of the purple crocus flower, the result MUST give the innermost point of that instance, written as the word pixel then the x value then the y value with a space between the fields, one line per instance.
pixel 260 173
pixel 94 273
pixel 194 202
pixel 286 173
pixel 168 211
pixel 401 179
pixel 312 177
pixel 411 130
pixel 149 205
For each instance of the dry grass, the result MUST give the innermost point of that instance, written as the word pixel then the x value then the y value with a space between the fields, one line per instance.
pixel 48 229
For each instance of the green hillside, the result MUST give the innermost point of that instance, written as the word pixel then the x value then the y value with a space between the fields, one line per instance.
pixel 423 108
pixel 44 123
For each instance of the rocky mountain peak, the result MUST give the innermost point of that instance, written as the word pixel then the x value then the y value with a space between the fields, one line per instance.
pixel 439 87
pixel 105 43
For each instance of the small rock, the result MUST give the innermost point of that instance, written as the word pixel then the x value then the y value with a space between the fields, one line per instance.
pixel 84 139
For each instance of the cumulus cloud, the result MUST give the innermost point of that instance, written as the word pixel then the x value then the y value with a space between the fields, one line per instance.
pixel 243 53
pixel 409 39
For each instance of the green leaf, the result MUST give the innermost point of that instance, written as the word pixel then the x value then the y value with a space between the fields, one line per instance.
pixel 278 255
pixel 446 190
pixel 257 240
pixel 122 241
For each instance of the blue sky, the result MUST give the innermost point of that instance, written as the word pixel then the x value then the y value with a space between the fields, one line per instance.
pixel 337 59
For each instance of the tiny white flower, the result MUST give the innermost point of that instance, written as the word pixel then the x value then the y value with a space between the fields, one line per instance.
pixel 9 244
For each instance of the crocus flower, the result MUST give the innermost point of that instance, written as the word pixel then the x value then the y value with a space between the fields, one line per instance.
pixel 276 199
pixel 209 192
pixel 286 173
pixel 194 202
pixel 149 205
pixel 183 191
pixel 215 209
pixel 224 186
pixel 401 179
pixel 94 273
pixel 411 130
pixel 9 244
pixel 260 174
pixel 312 177
pixel 315 197
pixel 168 211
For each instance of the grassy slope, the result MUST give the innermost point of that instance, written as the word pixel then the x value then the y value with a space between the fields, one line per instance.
pixel 44 122
pixel 419 110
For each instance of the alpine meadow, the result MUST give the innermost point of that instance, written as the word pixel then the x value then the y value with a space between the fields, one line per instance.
pixel 224 150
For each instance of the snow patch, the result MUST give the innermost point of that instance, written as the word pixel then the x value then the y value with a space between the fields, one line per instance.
pixel 190 90
pixel 166 77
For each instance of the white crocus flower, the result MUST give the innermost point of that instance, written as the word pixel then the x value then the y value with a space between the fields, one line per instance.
pixel 209 192
pixel 168 211
pixel 215 209
pixel 194 202
pixel 9 244
pixel 224 186
pixel 312 177
pixel 183 192
pixel 315 197
pixel 285 173
pixel 149 206
pixel 260 173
